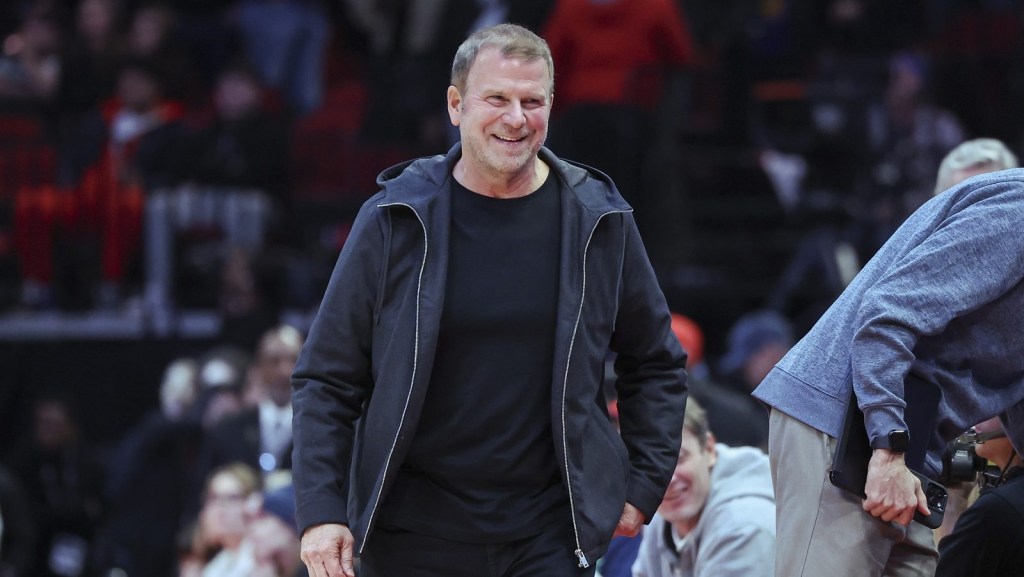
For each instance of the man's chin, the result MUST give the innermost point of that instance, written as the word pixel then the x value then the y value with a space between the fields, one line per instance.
pixel 672 513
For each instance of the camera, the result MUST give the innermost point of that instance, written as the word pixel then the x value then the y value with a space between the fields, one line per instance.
pixel 961 463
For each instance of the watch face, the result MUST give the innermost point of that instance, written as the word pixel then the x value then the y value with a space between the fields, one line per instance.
pixel 899 441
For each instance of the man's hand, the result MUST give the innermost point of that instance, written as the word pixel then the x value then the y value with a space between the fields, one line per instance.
pixel 630 523
pixel 893 491
pixel 327 550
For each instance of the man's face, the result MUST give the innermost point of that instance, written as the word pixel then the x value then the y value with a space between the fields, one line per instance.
pixel 236 95
pixel 998 450
pixel 226 509
pixel 963 174
pixel 137 90
pixel 53 425
pixel 503 115
pixel 277 358
pixel 691 482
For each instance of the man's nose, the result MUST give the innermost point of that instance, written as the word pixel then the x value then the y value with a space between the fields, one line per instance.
pixel 677 475
pixel 514 116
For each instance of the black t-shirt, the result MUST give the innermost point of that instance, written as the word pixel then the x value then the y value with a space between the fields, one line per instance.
pixel 482 466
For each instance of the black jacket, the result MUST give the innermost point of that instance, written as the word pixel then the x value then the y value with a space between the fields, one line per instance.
pixel 362 376
pixel 988 539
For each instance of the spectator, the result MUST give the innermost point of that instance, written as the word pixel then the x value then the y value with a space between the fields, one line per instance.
pixel 120 151
pixel 231 500
pixel 151 36
pixel 30 67
pixel 718 515
pixel 137 134
pixel 17 527
pixel 608 88
pixel 286 40
pixel 222 372
pixel 254 533
pixel 971 158
pixel 195 548
pixel 154 459
pixel 95 51
pixel 233 171
pixel 248 302
pixel 206 35
pixel 260 436
pixel 756 341
pixel 636 37
pixel 245 146
pixel 63 478
pixel 730 413
pixel 411 44
pixel 275 548
pixel 988 538
pixel 908 136
pixel 274 535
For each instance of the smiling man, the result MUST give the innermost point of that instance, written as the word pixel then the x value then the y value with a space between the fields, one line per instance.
pixel 718 515
pixel 448 404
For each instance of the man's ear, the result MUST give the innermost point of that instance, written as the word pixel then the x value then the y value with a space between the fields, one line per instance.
pixel 454 105
pixel 709 448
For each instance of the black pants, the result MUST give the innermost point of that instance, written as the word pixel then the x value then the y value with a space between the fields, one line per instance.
pixel 405 554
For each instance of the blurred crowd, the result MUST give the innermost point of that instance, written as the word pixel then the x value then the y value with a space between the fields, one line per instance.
pixel 201 485
pixel 144 142
pixel 208 153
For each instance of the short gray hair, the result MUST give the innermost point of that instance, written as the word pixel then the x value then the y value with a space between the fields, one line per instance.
pixel 987 153
pixel 512 40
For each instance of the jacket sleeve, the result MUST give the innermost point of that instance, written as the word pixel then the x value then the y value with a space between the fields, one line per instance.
pixel 650 368
pixel 332 378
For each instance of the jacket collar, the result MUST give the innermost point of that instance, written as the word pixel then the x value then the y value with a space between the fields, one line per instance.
pixel 404 183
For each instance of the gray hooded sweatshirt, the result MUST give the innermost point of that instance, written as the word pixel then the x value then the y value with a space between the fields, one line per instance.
pixel 735 536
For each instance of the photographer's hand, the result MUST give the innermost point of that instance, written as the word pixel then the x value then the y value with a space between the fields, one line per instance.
pixel 893 492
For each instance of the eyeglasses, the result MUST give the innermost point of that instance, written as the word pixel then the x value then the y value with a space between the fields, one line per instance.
pixel 225 498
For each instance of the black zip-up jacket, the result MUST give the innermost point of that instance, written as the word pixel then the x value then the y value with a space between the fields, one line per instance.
pixel 361 379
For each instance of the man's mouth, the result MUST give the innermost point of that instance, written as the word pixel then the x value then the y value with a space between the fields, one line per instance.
pixel 509 139
pixel 675 495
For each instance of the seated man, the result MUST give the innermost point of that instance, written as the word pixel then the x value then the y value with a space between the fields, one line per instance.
pixel 718 515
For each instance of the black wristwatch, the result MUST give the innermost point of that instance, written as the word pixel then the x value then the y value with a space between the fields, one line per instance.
pixel 897 441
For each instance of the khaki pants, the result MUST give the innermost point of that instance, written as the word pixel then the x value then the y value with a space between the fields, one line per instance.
pixel 822 531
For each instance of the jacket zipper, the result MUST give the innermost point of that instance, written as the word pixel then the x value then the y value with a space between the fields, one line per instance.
pixel 415 359
pixel 580 555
